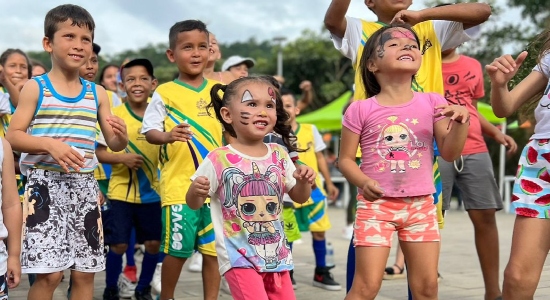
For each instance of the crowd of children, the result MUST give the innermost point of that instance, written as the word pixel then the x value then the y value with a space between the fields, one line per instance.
pixel 215 165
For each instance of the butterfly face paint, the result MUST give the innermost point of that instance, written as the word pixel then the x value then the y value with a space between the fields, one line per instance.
pixel 271 94
pixel 395 33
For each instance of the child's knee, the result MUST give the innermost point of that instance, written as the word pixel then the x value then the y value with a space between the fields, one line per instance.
pixel 152 247
pixel 516 276
pixel 365 289
pixel 426 289
pixel 51 279
pixel 119 248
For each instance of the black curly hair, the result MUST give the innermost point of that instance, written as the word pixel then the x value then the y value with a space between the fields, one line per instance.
pixel 230 91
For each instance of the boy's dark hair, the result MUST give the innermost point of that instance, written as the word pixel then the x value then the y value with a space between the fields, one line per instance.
pixel 183 26
pixel 229 93
pixel 287 92
pixel 372 87
pixel 6 54
pixel 78 16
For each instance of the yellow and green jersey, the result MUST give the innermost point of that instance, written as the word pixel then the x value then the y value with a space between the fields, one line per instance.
pixel 135 186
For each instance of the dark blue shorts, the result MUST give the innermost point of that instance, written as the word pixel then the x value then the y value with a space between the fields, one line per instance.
pixel 121 217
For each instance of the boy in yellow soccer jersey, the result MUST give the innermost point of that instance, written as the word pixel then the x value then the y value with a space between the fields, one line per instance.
pixel 311 216
pixel 178 120
pixel 438 29
pixel 133 197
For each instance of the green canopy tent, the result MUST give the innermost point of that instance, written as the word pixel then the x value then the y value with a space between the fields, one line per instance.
pixel 328 117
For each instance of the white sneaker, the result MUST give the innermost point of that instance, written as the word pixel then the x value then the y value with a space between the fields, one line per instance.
pixel 155 283
pixel 195 265
pixel 224 286
pixel 126 289
pixel 298 242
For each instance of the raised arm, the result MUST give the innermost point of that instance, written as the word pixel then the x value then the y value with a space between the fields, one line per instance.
pixel 469 14
pixel 501 70
pixel 335 18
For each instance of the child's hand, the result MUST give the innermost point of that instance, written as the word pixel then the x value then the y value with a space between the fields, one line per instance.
pixel 504 68
pixel 118 126
pixel 305 173
pixel 456 113
pixel 132 161
pixel 332 191
pixel 13 276
pixel 20 84
pixel 305 86
pixel 372 190
pixel 200 186
pixel 410 17
pixel 65 155
pixel 181 133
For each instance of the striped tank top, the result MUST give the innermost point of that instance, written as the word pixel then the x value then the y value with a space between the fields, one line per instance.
pixel 69 120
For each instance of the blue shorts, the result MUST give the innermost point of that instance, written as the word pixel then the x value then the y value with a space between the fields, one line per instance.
pixel 122 216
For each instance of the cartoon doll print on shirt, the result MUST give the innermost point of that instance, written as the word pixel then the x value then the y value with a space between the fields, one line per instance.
pixel 256 200
pixel 397 144
pixel 545 101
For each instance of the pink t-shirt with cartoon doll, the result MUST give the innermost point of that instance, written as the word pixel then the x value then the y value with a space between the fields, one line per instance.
pixel 397 142
pixel 246 202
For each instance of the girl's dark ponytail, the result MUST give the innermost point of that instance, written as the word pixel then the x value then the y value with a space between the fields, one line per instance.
pixel 216 103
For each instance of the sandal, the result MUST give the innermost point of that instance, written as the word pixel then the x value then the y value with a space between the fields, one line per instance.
pixel 390 274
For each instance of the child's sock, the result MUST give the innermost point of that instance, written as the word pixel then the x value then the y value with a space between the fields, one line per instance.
pixel 320 250
pixel 130 262
pixel 148 266
pixel 113 269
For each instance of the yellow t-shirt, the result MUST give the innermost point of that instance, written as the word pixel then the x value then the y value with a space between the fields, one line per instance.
pixel 103 171
pixel 306 140
pixel 139 186
pixel 173 103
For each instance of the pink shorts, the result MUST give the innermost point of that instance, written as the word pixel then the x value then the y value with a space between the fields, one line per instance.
pixel 248 284
pixel 414 219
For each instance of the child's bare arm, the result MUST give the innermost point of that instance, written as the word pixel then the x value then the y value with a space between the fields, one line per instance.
pixel 21 141
pixel 469 14
pixel 501 71
pixel 112 127
pixel 335 18
pixel 451 132
pixel 13 216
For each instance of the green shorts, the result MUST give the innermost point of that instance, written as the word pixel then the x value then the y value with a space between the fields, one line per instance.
pixel 292 231
pixel 185 230
pixel 313 217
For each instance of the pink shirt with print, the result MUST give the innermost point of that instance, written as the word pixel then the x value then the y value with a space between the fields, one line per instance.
pixel 463 83
pixel 397 142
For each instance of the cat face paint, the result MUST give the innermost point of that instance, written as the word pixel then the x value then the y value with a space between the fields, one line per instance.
pixel 247 96
pixel 245 116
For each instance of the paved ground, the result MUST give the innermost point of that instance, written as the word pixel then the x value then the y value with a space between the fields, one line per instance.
pixel 458 266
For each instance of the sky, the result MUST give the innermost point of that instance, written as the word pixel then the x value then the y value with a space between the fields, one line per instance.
pixel 131 24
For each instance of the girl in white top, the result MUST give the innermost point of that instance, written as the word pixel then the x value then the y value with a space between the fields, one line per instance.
pixel 531 194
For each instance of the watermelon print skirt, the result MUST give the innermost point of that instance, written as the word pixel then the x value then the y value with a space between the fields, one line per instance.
pixel 531 193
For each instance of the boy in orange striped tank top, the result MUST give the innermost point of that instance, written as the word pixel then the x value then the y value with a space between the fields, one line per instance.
pixel 55 129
